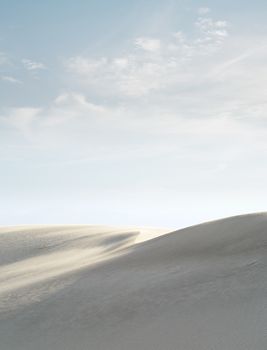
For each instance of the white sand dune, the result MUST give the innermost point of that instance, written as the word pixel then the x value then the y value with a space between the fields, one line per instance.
pixel 108 288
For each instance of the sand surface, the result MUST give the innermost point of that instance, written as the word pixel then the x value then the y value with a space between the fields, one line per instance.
pixel 110 288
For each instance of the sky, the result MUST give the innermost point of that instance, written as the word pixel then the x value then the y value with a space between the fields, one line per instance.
pixel 146 113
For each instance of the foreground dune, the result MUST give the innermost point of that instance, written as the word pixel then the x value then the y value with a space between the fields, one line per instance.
pixel 108 288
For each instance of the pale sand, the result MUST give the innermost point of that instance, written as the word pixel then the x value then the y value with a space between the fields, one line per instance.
pixel 108 288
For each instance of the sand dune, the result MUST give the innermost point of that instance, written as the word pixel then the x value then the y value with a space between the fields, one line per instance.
pixel 107 288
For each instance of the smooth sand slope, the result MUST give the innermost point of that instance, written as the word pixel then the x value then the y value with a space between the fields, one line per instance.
pixel 106 288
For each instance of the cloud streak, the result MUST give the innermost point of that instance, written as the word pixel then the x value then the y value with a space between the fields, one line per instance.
pixel 32 65
pixel 11 79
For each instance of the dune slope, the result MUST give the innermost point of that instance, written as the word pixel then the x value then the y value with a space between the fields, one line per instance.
pixel 103 288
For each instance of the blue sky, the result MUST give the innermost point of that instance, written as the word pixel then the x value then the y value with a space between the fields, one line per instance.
pixel 144 113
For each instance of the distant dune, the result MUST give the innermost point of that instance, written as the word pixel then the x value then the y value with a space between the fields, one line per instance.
pixel 108 288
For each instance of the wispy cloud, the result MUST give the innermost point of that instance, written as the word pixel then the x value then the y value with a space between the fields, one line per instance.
pixel 65 107
pixel 148 44
pixel 32 65
pixel 11 79
pixel 21 118
pixel 213 31
pixel 68 106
